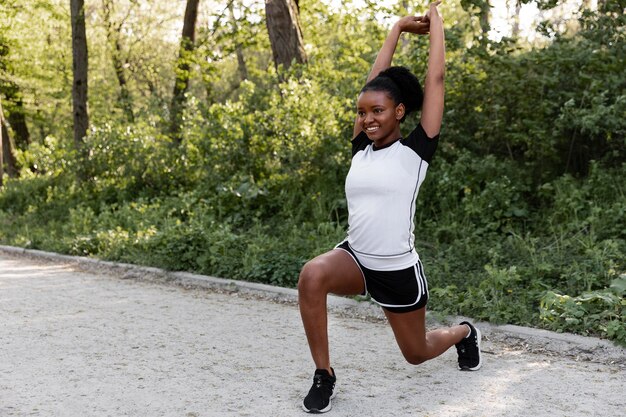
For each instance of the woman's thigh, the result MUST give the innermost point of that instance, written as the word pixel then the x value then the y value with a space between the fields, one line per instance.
pixel 333 272
pixel 409 330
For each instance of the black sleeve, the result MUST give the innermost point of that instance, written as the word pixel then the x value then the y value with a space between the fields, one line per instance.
pixel 419 141
pixel 360 142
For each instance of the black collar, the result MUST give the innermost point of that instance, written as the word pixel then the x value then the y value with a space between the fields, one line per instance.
pixel 375 148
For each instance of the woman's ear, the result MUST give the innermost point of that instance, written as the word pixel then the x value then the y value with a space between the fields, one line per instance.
pixel 400 110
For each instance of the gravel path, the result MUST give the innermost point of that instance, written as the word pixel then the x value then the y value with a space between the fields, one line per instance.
pixel 85 343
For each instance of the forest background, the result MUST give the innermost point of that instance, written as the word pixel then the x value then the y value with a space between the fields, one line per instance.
pixel 224 151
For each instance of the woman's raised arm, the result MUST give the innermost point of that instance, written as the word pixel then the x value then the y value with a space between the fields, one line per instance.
pixel 432 108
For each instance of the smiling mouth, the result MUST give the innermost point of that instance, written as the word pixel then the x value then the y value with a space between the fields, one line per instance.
pixel 371 129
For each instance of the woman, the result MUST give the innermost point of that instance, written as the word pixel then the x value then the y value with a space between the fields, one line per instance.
pixel 378 257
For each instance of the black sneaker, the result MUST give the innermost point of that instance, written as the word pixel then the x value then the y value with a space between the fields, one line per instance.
pixel 320 394
pixel 469 350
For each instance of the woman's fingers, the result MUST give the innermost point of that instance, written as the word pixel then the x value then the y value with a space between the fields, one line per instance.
pixel 410 23
pixel 419 27
pixel 418 24
pixel 434 4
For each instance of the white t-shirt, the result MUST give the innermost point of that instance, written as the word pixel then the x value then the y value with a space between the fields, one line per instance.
pixel 381 189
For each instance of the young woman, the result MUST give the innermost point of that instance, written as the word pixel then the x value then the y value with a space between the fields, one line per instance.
pixel 378 257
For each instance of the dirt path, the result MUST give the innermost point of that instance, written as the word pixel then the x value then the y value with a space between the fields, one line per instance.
pixel 80 343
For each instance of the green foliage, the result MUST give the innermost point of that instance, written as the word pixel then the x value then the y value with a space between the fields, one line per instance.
pixel 556 108
pixel 522 218
pixel 588 312
pixel 130 161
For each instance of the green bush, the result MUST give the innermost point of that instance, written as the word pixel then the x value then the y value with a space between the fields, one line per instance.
pixel 593 312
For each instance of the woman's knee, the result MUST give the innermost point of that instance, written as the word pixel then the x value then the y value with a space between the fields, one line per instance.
pixel 312 277
pixel 415 358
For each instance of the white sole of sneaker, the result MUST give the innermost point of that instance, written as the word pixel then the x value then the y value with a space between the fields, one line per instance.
pixel 323 410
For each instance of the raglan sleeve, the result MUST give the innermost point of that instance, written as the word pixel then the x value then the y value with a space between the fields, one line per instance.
pixel 423 145
pixel 360 142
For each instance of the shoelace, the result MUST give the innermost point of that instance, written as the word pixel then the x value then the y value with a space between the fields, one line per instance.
pixel 320 382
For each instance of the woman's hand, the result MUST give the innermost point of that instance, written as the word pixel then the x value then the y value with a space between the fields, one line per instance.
pixel 418 24
pixel 414 24
pixel 431 7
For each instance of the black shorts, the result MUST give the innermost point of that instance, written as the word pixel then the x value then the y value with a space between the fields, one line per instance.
pixel 397 291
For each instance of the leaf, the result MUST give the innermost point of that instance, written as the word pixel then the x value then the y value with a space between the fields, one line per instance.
pixel 619 285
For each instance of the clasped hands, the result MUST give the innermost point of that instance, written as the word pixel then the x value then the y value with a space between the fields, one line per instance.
pixel 419 25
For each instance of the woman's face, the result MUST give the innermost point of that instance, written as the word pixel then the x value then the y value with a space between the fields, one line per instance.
pixel 379 116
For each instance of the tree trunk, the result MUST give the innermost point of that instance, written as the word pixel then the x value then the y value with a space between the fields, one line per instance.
pixel 485 9
pixel 515 29
pixel 284 30
pixel 79 67
pixel 17 118
pixel 7 154
pixel 241 62
pixel 8 149
pixel 405 42
pixel 115 42
pixel 1 147
pixel 181 83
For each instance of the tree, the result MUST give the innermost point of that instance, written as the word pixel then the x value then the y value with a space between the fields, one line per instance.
pixel 283 26
pixel 1 153
pixel 7 149
pixel 80 68
pixel 241 62
pixel 11 90
pixel 485 9
pixel 17 114
pixel 113 31
pixel 181 83
pixel 481 8
pixel 516 11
